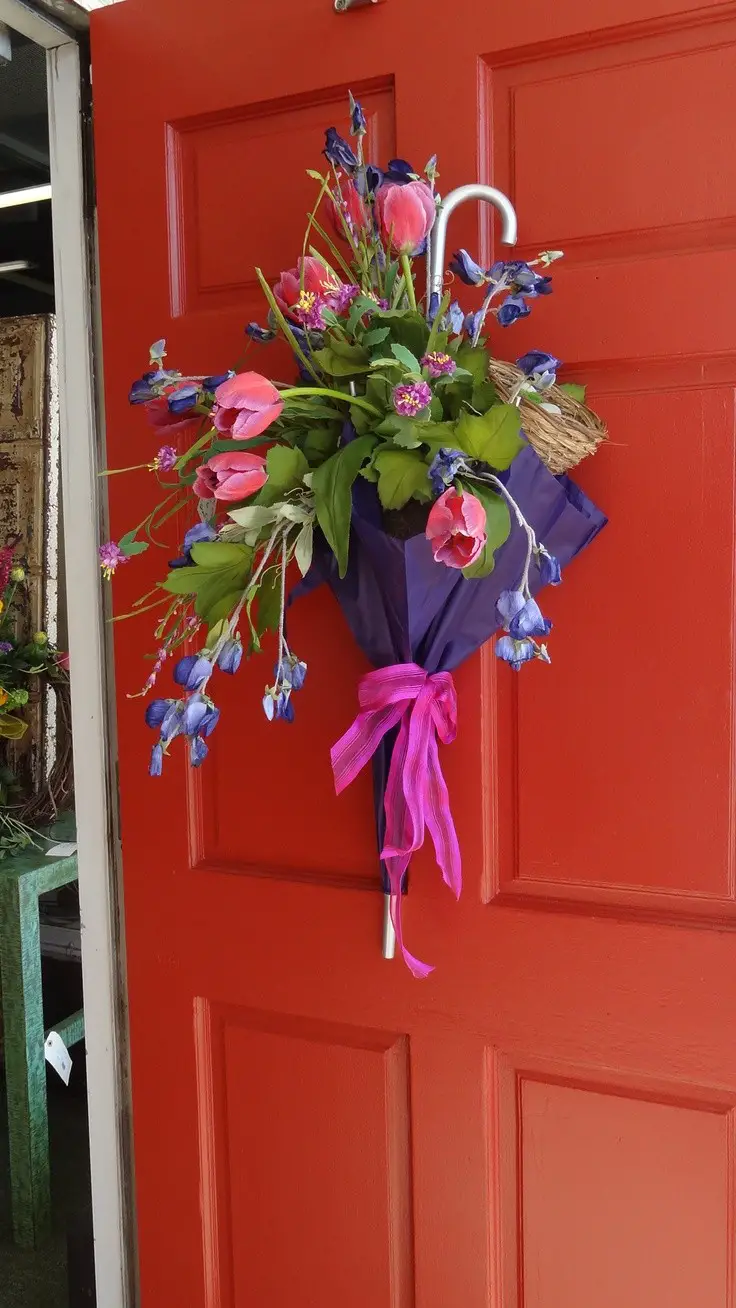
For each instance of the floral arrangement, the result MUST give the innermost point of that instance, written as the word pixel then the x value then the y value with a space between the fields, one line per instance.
pixel 24 657
pixel 391 469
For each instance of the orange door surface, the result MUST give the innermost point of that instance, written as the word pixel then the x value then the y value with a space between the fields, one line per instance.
pixel 548 1120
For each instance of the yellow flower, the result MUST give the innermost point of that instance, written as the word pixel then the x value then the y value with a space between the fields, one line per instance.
pixel 3 696
pixel 2 606
pixel 40 638
pixel 18 574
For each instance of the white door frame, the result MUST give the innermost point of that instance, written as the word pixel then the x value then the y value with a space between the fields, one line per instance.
pixel 89 646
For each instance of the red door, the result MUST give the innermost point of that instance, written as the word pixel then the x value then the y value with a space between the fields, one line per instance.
pixel 548 1121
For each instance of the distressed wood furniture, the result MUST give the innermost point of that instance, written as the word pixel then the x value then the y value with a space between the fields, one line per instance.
pixel 23 879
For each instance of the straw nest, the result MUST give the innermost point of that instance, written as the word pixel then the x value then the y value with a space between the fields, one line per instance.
pixel 561 440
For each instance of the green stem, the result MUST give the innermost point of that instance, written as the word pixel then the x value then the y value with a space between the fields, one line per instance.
pixel 335 395
pixel 409 280
pixel 112 472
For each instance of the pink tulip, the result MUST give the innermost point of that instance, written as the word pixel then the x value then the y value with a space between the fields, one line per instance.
pixel 456 528
pixel 353 208
pixel 406 214
pixel 159 415
pixel 246 405
pixel 318 280
pixel 230 476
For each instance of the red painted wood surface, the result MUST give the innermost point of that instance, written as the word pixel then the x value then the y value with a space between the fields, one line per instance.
pixel 548 1122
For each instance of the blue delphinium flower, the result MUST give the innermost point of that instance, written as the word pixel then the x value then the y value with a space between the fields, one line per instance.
pixel 210 720
pixel 536 362
pixel 141 391
pixel 516 652
pixel 444 468
pixel 228 660
pixel 399 171
pixel 465 267
pixel 171 722
pixel 258 333
pixel 196 535
pixel 191 671
pixel 284 708
pixel 358 126
pixel 156 711
pixel 183 398
pixel 454 319
pixel 513 308
pixel 292 671
pixel 197 751
pixel 472 323
pixel 211 383
pixel 521 615
pixel 338 152
pixel 195 710
pixel 549 568
pixel 155 767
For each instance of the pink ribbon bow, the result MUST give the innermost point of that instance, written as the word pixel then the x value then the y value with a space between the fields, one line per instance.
pixel 416 794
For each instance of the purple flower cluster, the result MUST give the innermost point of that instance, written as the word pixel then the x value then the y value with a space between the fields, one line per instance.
pixel 411 398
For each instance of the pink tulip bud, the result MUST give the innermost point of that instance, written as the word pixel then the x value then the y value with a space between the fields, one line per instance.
pixel 406 214
pixel 230 476
pixel 246 405
pixel 349 206
pixel 456 528
pixel 316 278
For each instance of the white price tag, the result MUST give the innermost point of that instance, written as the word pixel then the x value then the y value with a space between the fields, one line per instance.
pixel 63 850
pixel 57 1054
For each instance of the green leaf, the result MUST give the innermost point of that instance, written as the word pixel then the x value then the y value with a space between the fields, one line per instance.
pixel 484 396
pixel 286 466
pixel 402 476
pixel 498 526
pixel 406 357
pixel 130 546
pixel 317 177
pixel 359 308
pixel 320 442
pixel 493 437
pixel 575 390
pixel 303 548
pixel 220 554
pixel 338 366
pixel 332 485
pixel 375 335
pixel 474 358
pixel 407 328
pixel 347 349
pixel 231 446
pixel 269 601
pixel 184 581
pixel 222 608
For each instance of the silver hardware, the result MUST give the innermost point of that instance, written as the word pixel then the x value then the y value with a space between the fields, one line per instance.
pixel 389 935
pixel 341 6
pixel 473 191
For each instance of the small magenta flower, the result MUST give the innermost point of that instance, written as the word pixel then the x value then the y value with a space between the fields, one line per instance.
pixel 165 459
pixel 439 364
pixel 411 398
pixel 111 556
pixel 5 646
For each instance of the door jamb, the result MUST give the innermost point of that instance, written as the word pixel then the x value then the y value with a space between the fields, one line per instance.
pixel 93 722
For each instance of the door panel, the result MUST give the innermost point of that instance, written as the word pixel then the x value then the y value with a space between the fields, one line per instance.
pixel 547 1122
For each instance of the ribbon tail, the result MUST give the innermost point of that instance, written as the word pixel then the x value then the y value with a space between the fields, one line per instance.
pixel 438 816
pixel 396 869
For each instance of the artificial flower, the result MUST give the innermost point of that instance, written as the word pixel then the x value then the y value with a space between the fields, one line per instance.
pixel 230 476
pixel 411 398
pixel 111 556
pixel 438 364
pixel 156 766
pixel 456 528
pixel 516 652
pixel 549 568
pixel 165 458
pixel 228 660
pixel 310 274
pixel 348 205
pixel 512 309
pixel 535 363
pixel 358 126
pixel 463 265
pixel 246 405
pixel 338 152
pixel 192 671
pixel 258 333
pixel 444 468
pixel 521 615
pixel 406 214
pixel 160 414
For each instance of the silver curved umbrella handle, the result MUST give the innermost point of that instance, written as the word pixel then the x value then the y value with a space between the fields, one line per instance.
pixel 473 191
